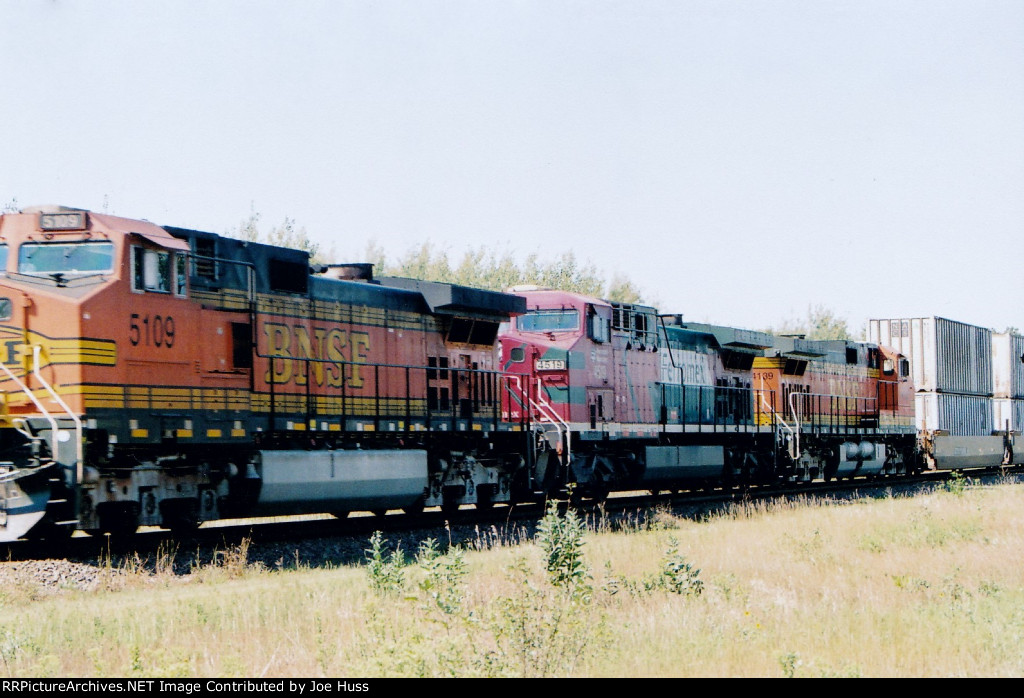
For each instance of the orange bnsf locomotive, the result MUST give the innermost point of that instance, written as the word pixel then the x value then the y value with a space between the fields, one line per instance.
pixel 162 376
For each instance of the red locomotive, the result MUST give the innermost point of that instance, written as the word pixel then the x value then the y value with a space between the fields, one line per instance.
pixel 628 398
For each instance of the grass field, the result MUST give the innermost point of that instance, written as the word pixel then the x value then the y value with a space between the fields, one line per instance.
pixel 931 585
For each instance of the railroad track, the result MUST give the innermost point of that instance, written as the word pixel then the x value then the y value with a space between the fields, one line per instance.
pixel 319 540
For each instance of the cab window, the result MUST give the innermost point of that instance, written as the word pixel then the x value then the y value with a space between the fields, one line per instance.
pixel 158 271
pixel 549 321
pixel 597 326
pixel 66 258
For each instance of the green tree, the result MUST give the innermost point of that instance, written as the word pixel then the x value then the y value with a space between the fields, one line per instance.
pixel 284 235
pixel 483 268
pixel 478 267
pixel 623 290
pixel 820 323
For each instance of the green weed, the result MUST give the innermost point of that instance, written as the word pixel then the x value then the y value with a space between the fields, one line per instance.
pixel 387 576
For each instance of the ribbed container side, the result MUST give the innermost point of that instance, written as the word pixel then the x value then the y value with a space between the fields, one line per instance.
pixel 945 355
pixel 959 415
pixel 1008 365
pixel 1008 413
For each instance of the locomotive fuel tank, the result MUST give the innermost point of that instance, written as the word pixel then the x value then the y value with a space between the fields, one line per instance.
pixel 297 482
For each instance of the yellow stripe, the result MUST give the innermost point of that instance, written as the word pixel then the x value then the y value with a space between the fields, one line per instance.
pixel 59 350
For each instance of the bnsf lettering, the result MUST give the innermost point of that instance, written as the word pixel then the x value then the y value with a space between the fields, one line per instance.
pixel 332 344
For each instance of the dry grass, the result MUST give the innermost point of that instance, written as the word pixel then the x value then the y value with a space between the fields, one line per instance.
pixel 929 586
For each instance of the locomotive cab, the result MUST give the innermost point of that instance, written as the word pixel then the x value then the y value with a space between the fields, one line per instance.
pixel 558 355
pixel 61 270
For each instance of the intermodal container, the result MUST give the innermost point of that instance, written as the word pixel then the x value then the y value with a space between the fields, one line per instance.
pixel 1008 414
pixel 1008 365
pixel 958 415
pixel 945 356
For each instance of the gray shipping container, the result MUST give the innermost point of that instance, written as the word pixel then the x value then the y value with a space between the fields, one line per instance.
pixel 1008 365
pixel 1007 412
pixel 945 356
pixel 959 415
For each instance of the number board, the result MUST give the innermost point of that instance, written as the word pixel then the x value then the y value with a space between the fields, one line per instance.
pixel 74 220
pixel 551 364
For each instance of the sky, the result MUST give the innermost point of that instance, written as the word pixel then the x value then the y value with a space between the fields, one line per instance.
pixel 739 160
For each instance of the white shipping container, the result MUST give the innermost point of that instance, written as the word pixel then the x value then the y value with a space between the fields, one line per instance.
pixel 1008 413
pixel 945 356
pixel 1008 365
pixel 958 415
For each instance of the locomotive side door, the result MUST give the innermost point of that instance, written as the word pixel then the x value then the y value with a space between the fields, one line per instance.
pixel 600 406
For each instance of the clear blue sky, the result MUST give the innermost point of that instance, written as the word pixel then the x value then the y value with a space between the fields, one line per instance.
pixel 738 160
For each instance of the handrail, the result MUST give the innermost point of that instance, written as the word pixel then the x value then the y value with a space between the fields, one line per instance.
pixel 46 415
pixel 794 444
pixel 482 392
pixel 546 405
pixel 546 412
pixel 79 447
pixel 795 451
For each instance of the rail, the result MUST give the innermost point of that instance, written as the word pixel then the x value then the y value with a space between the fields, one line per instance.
pixel 822 413
pixel 380 392
pixel 721 407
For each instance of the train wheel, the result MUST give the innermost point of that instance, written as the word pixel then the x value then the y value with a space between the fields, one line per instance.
pixel 119 527
pixel 119 519
pixel 598 492
pixel 48 531
pixel 485 497
pixel 181 516
pixel 182 527
pixel 414 508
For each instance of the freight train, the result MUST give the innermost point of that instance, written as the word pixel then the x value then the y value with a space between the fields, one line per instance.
pixel 154 375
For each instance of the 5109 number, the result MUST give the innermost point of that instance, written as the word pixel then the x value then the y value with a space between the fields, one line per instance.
pixel 157 331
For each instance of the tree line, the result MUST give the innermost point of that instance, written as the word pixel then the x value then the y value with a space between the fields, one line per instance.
pixel 481 267
pixel 478 267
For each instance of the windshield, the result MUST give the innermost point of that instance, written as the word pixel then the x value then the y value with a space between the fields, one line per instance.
pixel 549 321
pixel 66 257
